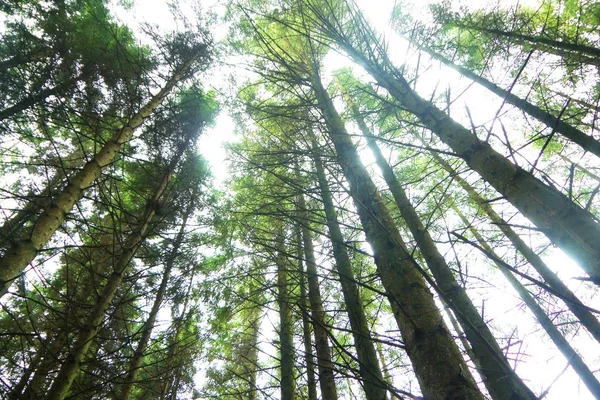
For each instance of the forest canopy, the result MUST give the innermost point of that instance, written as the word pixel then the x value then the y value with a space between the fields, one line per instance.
pixel 408 207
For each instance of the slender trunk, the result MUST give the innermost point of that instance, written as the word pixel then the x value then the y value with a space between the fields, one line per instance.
pixel 384 367
pixel 585 316
pixel 172 371
pixel 565 223
pixel 50 360
pixel 70 366
pixel 17 391
pixel 437 362
pixel 34 99
pixel 370 372
pixel 136 361
pixel 250 356
pixel 559 340
pixel 16 258
pixel 308 353
pixel 499 378
pixel 560 48
pixel 286 339
pixel 17 60
pixel 587 142
pixel 582 169
pixel 325 367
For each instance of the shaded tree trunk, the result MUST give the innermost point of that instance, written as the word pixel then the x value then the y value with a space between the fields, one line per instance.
pixel 584 315
pixel 286 340
pixel 564 222
pixel 70 367
pixel 18 256
pixel 325 367
pixel 370 372
pixel 311 383
pixel 587 142
pixel 586 375
pixel 499 378
pixel 136 361
pixel 437 362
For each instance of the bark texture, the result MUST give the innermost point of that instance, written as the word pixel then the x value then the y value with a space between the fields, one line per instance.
pixel 326 377
pixel 18 256
pixel 286 340
pixel 565 223
pixel 370 372
pixel 311 382
pixel 437 362
pixel 499 378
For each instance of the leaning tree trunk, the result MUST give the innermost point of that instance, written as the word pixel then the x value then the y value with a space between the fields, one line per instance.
pixel 372 378
pixel 324 365
pixel 173 371
pixel 18 256
pixel 585 316
pixel 438 364
pixel 499 378
pixel 570 51
pixel 136 361
pixel 70 367
pixel 586 375
pixel 286 339
pixel 565 223
pixel 587 142
pixel 311 382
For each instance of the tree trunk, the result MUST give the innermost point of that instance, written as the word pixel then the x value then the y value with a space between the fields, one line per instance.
pixel 559 340
pixel 33 99
pixel 286 339
pixel 370 372
pixel 585 316
pixel 499 378
pixel 308 352
pixel 15 259
pixel 136 361
pixel 325 367
pixel 565 223
pixel 70 366
pixel 578 52
pixel 437 362
pixel 172 372
pixel 587 142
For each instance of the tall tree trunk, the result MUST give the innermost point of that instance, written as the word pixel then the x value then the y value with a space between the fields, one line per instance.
pixel 136 361
pixel 70 367
pixel 588 378
pixel 325 367
pixel 568 50
pixel 18 256
pixel 587 142
pixel 286 339
pixel 565 223
pixel 437 362
pixel 172 371
pixel 370 372
pixel 585 316
pixel 499 378
pixel 33 99
pixel 311 383
pixel 250 354
pixel 50 360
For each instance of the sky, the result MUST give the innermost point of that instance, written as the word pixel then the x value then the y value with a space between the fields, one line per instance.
pixel 212 146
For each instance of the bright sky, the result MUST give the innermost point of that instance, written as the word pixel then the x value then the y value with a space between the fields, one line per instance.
pixel 544 363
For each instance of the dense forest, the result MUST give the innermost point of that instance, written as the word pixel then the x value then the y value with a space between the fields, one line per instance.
pixel 408 209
